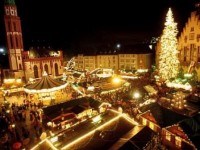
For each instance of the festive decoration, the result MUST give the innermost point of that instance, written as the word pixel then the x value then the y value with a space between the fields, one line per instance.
pixel 178 101
pixel 168 57
pixel 45 85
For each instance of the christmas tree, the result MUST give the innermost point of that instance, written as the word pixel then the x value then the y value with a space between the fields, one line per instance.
pixel 168 57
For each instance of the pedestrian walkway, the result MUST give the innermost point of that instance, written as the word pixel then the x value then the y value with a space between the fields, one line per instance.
pixel 27 131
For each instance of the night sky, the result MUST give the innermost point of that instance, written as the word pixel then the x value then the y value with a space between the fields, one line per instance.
pixel 67 24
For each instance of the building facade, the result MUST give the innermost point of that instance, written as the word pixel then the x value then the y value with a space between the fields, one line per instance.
pixel 122 61
pixel 173 137
pixel 107 61
pixel 189 44
pixel 22 63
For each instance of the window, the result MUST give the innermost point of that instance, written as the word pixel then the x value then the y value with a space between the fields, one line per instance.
pixel 185 53
pixel 7 11
pixel 144 122
pixel 46 68
pixel 185 39
pixel 151 125
pixel 11 42
pixel 56 69
pixel 14 25
pixel 9 26
pixel 178 141
pixel 192 47
pixel 12 12
pixel 20 67
pixel 16 39
pixel 168 136
pixel 18 57
pixel 191 37
pixel 35 68
pixel 192 29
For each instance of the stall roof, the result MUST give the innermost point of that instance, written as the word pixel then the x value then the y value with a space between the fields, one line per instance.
pixel 45 84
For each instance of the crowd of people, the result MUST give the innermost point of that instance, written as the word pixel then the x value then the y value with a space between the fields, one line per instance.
pixel 24 121
pixel 20 123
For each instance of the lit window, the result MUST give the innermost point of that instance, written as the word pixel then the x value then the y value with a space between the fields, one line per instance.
pixel 12 12
pixel 168 136
pixel 151 125
pixel 144 122
pixel 178 141
pixel 191 37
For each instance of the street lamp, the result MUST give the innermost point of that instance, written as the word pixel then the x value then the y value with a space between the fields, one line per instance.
pixel 116 80
pixel 13 128
pixel 136 96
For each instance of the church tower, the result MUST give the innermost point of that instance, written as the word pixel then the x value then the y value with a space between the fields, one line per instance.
pixel 13 36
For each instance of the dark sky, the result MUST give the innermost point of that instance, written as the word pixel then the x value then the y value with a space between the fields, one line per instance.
pixel 66 24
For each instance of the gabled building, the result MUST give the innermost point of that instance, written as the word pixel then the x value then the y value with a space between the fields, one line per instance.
pixel 189 43
pixel 167 124
pixel 174 137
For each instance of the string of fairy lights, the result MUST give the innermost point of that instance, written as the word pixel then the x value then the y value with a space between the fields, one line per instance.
pixel 168 58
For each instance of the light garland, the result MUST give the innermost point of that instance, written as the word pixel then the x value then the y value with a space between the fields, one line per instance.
pixel 187 140
pixel 33 91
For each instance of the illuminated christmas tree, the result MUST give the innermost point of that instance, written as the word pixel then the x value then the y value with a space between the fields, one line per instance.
pixel 168 57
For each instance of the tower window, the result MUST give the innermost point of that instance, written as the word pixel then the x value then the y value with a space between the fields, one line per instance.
pixel 9 26
pixel 16 39
pixel 14 25
pixel 7 11
pixel 12 12
pixel 18 57
pixel 11 42
pixel 192 29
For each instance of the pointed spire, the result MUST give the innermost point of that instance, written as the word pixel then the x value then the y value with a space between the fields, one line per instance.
pixel 9 2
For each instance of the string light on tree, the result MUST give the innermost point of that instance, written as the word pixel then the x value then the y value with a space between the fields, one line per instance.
pixel 168 57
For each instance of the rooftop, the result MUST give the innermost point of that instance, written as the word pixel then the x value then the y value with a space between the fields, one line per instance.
pixel 91 135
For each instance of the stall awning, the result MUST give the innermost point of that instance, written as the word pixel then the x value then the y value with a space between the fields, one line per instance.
pixel 44 85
